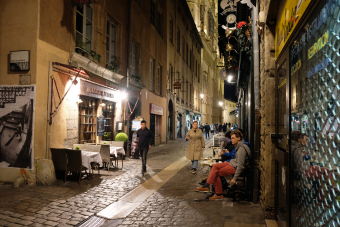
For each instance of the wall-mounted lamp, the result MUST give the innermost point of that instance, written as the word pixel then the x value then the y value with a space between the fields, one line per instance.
pixel 123 95
pixel 79 100
pixel 220 103
pixel 202 96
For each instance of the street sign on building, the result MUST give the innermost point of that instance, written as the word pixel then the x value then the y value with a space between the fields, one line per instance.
pixel 177 85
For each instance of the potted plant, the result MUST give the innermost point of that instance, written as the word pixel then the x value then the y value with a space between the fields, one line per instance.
pixel 137 78
pixel 124 138
pixel 77 148
pixel 95 56
pixel 80 46
pixel 105 142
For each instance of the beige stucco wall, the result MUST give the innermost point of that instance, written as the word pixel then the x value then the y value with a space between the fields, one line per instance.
pixel 148 97
pixel 18 33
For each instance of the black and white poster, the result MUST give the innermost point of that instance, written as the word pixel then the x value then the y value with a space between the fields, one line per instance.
pixel 100 126
pixel 16 126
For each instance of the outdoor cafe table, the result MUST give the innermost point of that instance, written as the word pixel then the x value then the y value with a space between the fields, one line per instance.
pixel 116 150
pixel 90 156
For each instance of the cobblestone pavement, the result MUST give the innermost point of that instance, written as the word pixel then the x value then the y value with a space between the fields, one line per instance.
pixel 68 204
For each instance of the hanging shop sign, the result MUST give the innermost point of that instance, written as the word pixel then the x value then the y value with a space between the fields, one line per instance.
pixel 99 92
pixel 154 109
pixel 177 85
pixel 287 21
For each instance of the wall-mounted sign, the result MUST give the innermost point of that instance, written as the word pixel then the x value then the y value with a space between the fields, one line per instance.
pixel 177 85
pixel 99 92
pixel 287 21
pixel 19 60
pixel 154 109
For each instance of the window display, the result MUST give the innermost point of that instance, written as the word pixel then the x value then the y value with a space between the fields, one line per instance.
pixel 315 139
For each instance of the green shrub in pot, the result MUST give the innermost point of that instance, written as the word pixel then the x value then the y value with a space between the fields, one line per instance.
pixel 121 137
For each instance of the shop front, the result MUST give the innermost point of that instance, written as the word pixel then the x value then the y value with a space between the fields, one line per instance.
pixel 308 118
pixel 188 121
pixel 87 112
pixel 156 115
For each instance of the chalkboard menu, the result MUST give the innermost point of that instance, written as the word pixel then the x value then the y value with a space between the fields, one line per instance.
pixel 100 126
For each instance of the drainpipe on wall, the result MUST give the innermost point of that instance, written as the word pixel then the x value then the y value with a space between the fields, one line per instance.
pixel 128 71
pixel 257 103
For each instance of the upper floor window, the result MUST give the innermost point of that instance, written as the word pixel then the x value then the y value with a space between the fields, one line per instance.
pixel 153 12
pixel 111 37
pixel 151 73
pixel 178 39
pixel 134 57
pixel 171 30
pixel 84 21
pixel 183 48
pixel 159 80
pixel 159 22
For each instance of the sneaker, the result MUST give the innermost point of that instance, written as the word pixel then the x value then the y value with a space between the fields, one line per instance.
pixel 216 197
pixel 200 189
pixel 193 171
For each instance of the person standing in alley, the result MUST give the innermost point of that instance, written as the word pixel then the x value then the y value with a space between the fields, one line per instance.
pixel 229 125
pixel 224 128
pixel 145 140
pixel 212 129
pixel 220 127
pixel 196 145
pixel 207 130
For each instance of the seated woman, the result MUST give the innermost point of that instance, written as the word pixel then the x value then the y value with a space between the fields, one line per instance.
pixel 218 170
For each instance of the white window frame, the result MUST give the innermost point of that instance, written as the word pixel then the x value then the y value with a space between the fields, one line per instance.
pixel 108 44
pixel 84 27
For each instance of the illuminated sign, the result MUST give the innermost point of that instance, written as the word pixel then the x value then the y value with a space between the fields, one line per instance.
pixel 322 41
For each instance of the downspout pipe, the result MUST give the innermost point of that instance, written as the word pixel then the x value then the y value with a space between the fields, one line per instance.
pixel 128 71
pixel 256 108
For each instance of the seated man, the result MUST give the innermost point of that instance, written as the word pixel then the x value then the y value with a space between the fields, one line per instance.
pixel 228 152
pixel 218 170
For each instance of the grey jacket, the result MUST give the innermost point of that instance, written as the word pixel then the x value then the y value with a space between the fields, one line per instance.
pixel 241 160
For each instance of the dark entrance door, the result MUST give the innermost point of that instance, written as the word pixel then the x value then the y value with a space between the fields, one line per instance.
pixel 170 121
pixel 153 125
pixel 281 149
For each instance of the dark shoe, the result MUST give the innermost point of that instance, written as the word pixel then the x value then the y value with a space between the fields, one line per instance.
pixel 193 171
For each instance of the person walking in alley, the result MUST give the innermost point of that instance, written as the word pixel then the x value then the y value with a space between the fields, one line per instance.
pixel 196 145
pixel 145 140
pixel 229 125
pixel 220 127
pixel 207 130
pixel 212 129
pixel 234 167
pixel 224 128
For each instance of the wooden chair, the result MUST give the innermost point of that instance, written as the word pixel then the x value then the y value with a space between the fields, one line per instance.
pixel 94 148
pixel 234 190
pixel 105 154
pixel 75 162
pixel 118 144
pixel 59 158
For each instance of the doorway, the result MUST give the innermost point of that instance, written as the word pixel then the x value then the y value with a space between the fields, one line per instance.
pixel 282 205
pixel 170 121
pixel 153 126
pixel 179 125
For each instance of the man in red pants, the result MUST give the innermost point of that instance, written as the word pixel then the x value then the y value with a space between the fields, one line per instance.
pixel 234 167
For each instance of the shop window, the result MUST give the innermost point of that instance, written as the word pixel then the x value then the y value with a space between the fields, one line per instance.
pixel 178 40
pixel 111 36
pixel 171 30
pixel 87 120
pixel 84 21
pixel 108 114
pixel 157 126
pixel 152 68
pixel 134 56
pixel 159 80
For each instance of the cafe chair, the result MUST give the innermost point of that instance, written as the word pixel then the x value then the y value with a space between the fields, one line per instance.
pixel 59 159
pixel 241 187
pixel 75 163
pixel 118 144
pixel 105 154
pixel 94 148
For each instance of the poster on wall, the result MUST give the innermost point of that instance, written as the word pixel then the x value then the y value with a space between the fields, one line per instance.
pixel 16 126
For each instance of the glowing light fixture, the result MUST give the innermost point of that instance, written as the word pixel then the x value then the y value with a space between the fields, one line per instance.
pixel 220 103
pixel 123 95
pixel 202 96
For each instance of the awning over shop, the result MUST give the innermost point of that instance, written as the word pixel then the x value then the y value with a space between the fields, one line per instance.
pixel 69 70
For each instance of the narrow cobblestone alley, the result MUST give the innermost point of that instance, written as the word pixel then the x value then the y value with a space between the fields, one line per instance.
pixel 69 204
